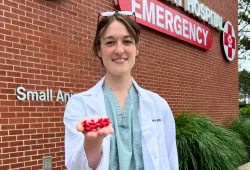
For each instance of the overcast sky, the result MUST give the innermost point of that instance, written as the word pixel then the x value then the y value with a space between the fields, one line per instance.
pixel 244 65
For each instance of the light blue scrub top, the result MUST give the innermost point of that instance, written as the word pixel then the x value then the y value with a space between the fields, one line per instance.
pixel 125 147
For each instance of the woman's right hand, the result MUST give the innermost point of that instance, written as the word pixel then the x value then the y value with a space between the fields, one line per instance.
pixel 93 141
pixel 97 134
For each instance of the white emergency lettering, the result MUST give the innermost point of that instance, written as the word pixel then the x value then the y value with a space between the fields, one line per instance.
pixel 165 19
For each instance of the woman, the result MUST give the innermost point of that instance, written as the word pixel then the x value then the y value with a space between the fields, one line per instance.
pixel 142 130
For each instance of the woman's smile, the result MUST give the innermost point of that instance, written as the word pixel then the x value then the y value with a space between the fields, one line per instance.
pixel 120 60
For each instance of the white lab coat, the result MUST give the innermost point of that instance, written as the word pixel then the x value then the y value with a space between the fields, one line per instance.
pixel 156 121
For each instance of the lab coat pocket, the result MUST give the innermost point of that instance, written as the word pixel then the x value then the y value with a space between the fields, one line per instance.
pixel 164 163
pixel 160 136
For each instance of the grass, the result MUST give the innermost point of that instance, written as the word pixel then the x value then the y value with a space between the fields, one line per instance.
pixel 242 127
pixel 245 112
pixel 203 145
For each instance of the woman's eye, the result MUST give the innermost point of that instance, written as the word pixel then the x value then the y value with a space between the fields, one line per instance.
pixel 128 42
pixel 110 43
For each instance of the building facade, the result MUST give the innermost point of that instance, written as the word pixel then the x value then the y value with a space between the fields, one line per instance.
pixel 45 57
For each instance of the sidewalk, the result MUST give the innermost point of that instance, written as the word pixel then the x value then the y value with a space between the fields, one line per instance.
pixel 245 167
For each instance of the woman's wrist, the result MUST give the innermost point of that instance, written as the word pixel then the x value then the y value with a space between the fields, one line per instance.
pixel 93 150
pixel 93 146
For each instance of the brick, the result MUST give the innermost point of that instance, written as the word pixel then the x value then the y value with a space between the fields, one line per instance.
pixel 32 5
pixel 7 127
pixel 44 151
pixel 29 109
pixel 24 159
pixel 36 126
pixel 23 137
pixel 29 153
pixel 13 74
pixel 35 147
pixel 40 66
pixel 12 39
pixel 26 30
pixel 21 69
pixel 42 141
pixel 30 142
pixel 10 15
pixel 4 145
pixel 11 86
pixel 26 42
pixel 22 126
pixel 31 15
pixel 12 50
pixel 25 8
pixel 16 120
pixel 3 73
pixel 24 148
pixel 4 166
pixel 4 156
pixel 22 103
pixel 12 97
pixel 21 80
pixel 30 163
pixel 37 157
pixel 39 23
pixel 36 136
pixel 30 120
pixel 12 27
pixel 17 165
pixel 3 133
pixel 16 132
pixel 5 43
pixel 18 11
pixel 33 38
pixel 27 64
pixel 18 23
pixel 51 145
pixel 7 103
pixel 17 154
pixel 36 71
pixel 8 90
pixel 20 46
pixel 16 143
pixel 5 8
pixel 2 61
pixel 8 139
pixel 5 19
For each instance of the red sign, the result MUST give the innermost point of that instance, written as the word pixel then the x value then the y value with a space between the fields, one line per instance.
pixel 228 41
pixel 160 17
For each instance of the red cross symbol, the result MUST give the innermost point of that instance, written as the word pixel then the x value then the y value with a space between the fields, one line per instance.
pixel 229 40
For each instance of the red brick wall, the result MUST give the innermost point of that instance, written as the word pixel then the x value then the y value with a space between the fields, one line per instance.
pixel 47 44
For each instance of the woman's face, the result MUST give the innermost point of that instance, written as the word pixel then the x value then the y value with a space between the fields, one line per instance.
pixel 118 50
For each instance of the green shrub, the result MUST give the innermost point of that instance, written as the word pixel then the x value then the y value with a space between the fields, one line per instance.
pixel 202 145
pixel 245 111
pixel 242 127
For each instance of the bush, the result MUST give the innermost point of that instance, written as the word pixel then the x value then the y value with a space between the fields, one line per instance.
pixel 202 145
pixel 245 111
pixel 242 127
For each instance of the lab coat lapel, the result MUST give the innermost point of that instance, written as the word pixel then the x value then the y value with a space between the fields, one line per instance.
pixel 146 109
pixel 96 99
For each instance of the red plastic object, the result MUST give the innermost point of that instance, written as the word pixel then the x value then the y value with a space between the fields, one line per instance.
pixel 94 124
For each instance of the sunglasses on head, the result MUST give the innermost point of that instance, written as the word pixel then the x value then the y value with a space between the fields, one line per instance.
pixel 111 13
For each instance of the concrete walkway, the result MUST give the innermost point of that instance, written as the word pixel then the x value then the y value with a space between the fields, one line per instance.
pixel 245 167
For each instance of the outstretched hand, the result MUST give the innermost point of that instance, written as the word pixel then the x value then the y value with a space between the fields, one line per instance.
pixel 96 134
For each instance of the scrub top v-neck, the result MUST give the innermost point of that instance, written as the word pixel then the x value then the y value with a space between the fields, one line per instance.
pixel 126 145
